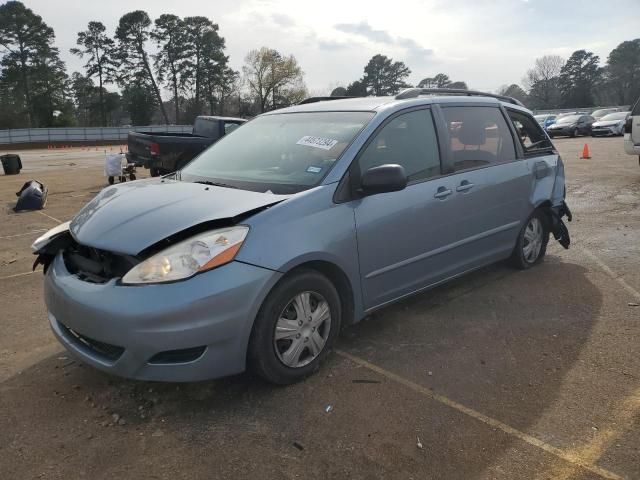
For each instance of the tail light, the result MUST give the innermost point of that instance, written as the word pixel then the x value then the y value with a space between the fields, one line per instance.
pixel 154 149
pixel 628 124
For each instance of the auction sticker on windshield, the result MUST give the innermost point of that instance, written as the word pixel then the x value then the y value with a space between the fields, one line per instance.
pixel 317 142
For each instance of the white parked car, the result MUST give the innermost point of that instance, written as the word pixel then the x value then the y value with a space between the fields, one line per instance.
pixel 632 132
pixel 611 124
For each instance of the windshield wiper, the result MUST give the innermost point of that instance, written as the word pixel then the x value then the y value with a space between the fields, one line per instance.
pixel 216 184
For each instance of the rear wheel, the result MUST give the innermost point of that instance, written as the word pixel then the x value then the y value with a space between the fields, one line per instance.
pixel 531 246
pixel 111 180
pixel 154 171
pixel 295 328
pixel 574 133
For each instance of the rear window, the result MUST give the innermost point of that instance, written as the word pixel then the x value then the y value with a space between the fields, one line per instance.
pixel 205 128
pixel 568 119
pixel 231 126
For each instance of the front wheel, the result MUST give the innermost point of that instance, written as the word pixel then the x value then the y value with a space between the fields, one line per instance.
pixel 154 171
pixel 531 246
pixel 574 133
pixel 295 328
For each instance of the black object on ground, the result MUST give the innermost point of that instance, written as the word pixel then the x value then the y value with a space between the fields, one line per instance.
pixel 32 196
pixel 11 164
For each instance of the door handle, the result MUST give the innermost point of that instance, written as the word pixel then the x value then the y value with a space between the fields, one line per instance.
pixel 442 193
pixel 464 186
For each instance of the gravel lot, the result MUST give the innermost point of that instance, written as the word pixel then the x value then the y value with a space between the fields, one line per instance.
pixel 499 375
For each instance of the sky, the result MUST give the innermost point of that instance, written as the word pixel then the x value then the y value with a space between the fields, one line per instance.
pixel 486 43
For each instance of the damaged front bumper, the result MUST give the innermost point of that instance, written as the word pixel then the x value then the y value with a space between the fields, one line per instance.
pixel 557 227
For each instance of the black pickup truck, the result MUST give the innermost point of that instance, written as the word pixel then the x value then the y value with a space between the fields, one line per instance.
pixel 167 152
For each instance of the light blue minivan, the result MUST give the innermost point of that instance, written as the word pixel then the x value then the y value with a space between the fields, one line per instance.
pixel 298 223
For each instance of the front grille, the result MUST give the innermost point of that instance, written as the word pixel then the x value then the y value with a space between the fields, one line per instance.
pixel 94 265
pixel 106 350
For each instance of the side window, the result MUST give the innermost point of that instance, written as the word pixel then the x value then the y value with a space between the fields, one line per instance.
pixel 408 140
pixel 533 139
pixel 479 136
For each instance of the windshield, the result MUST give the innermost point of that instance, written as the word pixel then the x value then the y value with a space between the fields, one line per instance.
pixel 281 153
pixel 615 116
pixel 568 119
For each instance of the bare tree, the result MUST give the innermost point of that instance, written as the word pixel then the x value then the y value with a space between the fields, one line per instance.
pixel 99 48
pixel 543 81
pixel 273 76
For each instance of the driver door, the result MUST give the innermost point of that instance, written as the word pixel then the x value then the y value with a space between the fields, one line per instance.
pixel 398 233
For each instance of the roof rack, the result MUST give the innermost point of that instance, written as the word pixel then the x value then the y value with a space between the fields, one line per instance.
pixel 416 92
pixel 321 99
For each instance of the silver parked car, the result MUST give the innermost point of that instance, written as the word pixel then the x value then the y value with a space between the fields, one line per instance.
pixel 298 223
pixel 611 124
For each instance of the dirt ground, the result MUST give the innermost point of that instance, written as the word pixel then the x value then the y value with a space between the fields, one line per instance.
pixel 499 375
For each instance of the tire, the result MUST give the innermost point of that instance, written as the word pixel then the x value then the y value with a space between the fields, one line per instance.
pixel 111 180
pixel 122 179
pixel 154 171
pixel 281 309
pixel 523 258
pixel 574 133
pixel 132 176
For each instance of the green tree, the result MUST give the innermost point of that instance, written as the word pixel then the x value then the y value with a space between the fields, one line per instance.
pixel 170 37
pixel 439 81
pixel 339 92
pixel 383 76
pixel 459 85
pixel 99 49
pixel 92 105
pixel 139 99
pixel 218 79
pixel 26 41
pixel 274 77
pixel 52 105
pixel 132 34
pixel 514 91
pixel 357 89
pixel 623 72
pixel 203 43
pixel 578 78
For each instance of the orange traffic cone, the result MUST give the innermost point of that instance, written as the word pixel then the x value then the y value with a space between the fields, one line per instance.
pixel 585 152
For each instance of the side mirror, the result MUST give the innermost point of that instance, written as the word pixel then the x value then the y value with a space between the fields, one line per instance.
pixel 382 179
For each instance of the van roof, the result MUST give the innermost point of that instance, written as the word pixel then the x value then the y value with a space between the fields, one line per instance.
pixel 368 104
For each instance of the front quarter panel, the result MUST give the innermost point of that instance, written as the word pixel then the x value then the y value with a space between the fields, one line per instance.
pixel 305 228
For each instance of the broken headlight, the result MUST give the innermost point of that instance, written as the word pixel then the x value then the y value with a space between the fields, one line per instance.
pixel 202 252
pixel 46 238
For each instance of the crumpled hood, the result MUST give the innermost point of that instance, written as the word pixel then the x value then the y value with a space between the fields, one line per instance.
pixel 129 217
pixel 608 123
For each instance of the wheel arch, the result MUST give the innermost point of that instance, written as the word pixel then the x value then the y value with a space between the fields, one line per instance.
pixel 338 278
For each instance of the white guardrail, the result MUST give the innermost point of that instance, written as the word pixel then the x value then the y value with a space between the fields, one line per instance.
pixel 81 134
